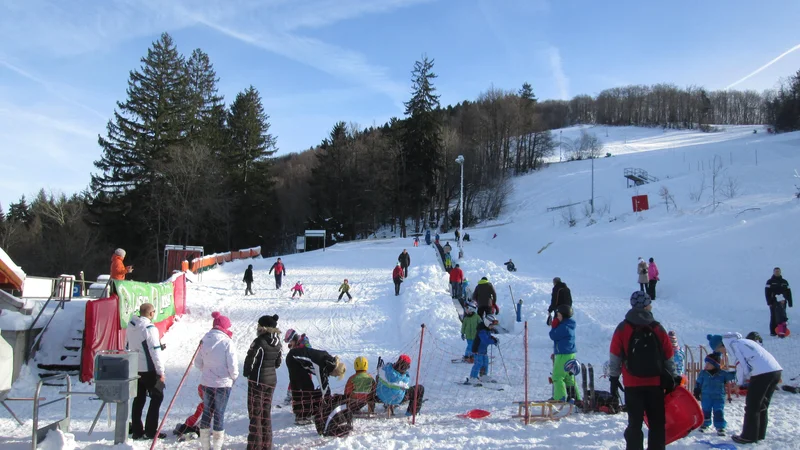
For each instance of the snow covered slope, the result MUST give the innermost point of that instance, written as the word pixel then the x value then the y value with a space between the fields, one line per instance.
pixel 713 263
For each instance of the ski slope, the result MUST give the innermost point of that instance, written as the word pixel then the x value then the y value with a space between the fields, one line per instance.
pixel 713 263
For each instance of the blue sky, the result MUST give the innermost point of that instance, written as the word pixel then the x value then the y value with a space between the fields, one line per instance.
pixel 64 65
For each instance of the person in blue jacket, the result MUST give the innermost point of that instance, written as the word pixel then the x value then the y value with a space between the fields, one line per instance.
pixel 710 390
pixel 564 349
pixel 428 237
pixel 394 387
pixel 480 346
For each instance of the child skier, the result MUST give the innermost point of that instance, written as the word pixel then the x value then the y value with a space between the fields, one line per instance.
pixel 360 388
pixel 190 424
pixel 345 289
pixel 563 336
pixel 448 262
pixel 465 292
pixel 480 346
pixel 293 339
pixel 678 357
pixel 469 328
pixel 297 289
pixel 710 391
pixel 393 389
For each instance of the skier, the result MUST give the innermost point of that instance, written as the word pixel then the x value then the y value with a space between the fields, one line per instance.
pixel 397 277
pixel 448 262
pixel 297 289
pixel 457 235
pixel 641 269
pixel 485 297
pixel 764 372
pixel 280 271
pixel 447 248
pixel 678 356
pixel 466 237
pixel 405 262
pixel 480 346
pixel 465 292
pixel 309 370
pixel 360 387
pixel 456 277
pixel 510 266
pixel 428 237
pixel 634 353
pixel 263 358
pixel 709 390
pixel 778 294
pixel 561 295
pixel 469 328
pixel 437 239
pixel 652 279
pixel 416 241
pixel 393 389
pixel 563 337
pixel 293 339
pixel 248 278
pixel 219 367
pixel 142 337
pixel 118 268
pixel 344 289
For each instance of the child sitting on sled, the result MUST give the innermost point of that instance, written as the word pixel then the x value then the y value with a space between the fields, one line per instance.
pixel 297 289
pixel 190 424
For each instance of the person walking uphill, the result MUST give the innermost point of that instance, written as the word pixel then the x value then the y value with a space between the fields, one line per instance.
pixel 561 295
pixel 564 349
pixel 485 297
pixel 248 278
pixel 118 268
pixel 652 279
pixel 219 368
pixel 405 262
pixel 280 271
pixel 456 278
pixel 397 278
pixel 263 358
pixel 142 337
pixel 641 269
pixel 642 353
pixel 778 295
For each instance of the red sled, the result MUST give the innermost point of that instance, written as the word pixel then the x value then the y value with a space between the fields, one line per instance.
pixel 782 330
pixel 683 414
pixel 475 414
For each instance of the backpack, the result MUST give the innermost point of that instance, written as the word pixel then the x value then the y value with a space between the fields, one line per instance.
pixel 645 357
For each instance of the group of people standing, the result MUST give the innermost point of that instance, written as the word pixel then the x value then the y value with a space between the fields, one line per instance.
pixel 648 277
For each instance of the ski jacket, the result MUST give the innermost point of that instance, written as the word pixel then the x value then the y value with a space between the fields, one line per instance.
pixel 298 287
pixel 484 294
pixel 482 342
pixel 619 348
pixel 248 275
pixel 678 359
pixel 652 271
pixel 510 266
pixel 448 261
pixel 469 326
pixel 118 269
pixel 641 269
pixel 142 337
pixel 360 386
pixel 561 295
pixel 392 386
pixel 563 337
pixel 712 386
pixel 456 275
pixel 777 286
pixel 345 287
pixel 752 359
pixel 397 272
pixel 217 360
pixel 309 369
pixel 263 357
pixel 279 269
pixel 404 259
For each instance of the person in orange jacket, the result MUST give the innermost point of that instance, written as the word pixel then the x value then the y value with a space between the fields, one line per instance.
pixel 118 268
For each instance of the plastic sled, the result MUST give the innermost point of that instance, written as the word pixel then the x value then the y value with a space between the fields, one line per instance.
pixel 475 414
pixel 782 330
pixel 683 414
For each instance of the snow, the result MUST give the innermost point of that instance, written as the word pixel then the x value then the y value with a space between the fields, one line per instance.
pixel 713 264
pixel 5 259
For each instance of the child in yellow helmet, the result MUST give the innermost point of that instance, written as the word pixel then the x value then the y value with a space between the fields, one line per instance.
pixel 360 388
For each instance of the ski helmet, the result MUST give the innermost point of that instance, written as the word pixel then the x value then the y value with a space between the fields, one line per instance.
pixel 470 307
pixel 290 335
pixel 361 363
pixel 572 367
pixel 490 320
pixel 754 336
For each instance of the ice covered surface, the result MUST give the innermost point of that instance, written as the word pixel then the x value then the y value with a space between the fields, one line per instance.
pixel 713 268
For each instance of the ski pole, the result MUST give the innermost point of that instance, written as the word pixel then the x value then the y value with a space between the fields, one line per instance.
pixel 172 402
pixel 502 360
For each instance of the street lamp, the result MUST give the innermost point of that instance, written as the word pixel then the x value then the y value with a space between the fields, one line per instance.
pixel 460 161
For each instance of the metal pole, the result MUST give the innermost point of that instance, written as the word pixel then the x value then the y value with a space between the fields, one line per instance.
pixel 592 202
pixel 172 402
pixel 525 344
pixel 416 380
pixel 461 214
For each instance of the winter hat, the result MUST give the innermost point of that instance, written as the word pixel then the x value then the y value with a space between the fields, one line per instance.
pixel 222 323
pixel 290 335
pixel 268 321
pixel 565 310
pixel 674 339
pixel 398 263
pixel 339 370
pixel 403 363
pixel 640 300
pixel 484 279
pixel 714 341
pixel 713 359
pixel 120 252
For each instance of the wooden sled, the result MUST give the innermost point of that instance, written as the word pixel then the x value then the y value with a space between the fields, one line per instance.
pixel 540 411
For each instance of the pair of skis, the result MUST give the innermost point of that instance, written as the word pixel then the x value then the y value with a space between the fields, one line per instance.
pixel 482 385
pixel 587 381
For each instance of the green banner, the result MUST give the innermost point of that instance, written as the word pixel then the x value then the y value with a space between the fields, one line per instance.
pixel 132 294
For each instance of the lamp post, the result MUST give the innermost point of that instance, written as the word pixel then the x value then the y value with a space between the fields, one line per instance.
pixel 460 161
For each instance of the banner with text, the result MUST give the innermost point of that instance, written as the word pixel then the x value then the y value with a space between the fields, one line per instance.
pixel 132 294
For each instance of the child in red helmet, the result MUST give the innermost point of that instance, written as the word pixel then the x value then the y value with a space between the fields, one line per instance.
pixel 394 388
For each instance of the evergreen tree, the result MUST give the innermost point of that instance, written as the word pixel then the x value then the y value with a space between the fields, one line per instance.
pixel 330 181
pixel 20 212
pixel 205 104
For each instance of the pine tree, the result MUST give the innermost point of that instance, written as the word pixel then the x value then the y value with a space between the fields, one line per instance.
pixel 330 181
pixel 20 212
pixel 205 104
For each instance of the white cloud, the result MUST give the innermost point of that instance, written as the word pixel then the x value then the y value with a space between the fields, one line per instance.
pixel 557 71
pixel 757 71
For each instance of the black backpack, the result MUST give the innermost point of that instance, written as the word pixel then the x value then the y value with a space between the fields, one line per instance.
pixel 645 356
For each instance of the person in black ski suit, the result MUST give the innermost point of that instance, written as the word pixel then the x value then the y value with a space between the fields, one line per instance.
pixel 263 357
pixel 778 295
pixel 280 271
pixel 248 278
pixel 405 261
pixel 485 297
pixel 561 295
pixel 309 370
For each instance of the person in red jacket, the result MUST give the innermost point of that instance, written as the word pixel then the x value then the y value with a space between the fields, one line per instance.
pixel 641 352
pixel 118 268
pixel 397 277
pixel 456 277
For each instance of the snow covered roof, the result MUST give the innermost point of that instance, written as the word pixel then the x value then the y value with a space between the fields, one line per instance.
pixel 10 273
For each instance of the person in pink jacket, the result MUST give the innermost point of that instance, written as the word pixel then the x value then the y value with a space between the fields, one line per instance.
pixel 297 289
pixel 652 275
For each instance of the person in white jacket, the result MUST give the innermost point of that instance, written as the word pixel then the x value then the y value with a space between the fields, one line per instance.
pixel 219 368
pixel 142 337
pixel 764 372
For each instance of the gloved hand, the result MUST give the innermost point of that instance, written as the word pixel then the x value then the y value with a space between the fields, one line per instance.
pixel 697 395
pixel 549 319
pixel 615 386
pixel 463 338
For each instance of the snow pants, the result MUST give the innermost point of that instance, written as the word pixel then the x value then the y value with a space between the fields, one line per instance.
pixel 397 282
pixel 455 289
pixel 759 395
pixel 249 288
pixel 278 280
pixel 717 407
pixel 562 381
pixel 259 408
pixel 638 400
pixel 468 351
pixel 481 362
pixel 651 289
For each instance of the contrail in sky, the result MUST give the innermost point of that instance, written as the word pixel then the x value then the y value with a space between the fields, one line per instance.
pixel 796 47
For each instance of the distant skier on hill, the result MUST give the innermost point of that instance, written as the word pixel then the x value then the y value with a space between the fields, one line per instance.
pixel 778 294
pixel 405 261
pixel 428 237
pixel 248 279
pixel 510 266
pixel 280 271
pixel 344 289
pixel 297 289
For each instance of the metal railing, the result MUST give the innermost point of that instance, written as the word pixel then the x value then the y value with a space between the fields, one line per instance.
pixel 39 434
